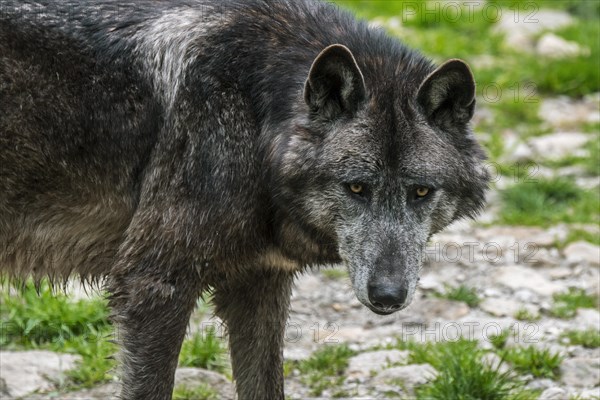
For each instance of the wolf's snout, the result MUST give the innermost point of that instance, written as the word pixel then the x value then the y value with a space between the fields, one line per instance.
pixel 387 297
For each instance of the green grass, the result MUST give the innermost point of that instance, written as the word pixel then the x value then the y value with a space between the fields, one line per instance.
pixel 494 144
pixel 31 319
pixel 565 305
pixel 325 367
pixel 466 377
pixel 574 76
pixel 592 162
pixel 448 34
pixel 462 374
pixel 589 163
pixel 524 315
pixel 531 360
pixel 436 35
pixel 51 321
pixel 548 201
pixel 461 293
pixel 517 111
pixel 200 392
pixel 205 350
pixel 576 235
pixel 581 9
pixel 97 364
pixel 589 338
pixel 499 341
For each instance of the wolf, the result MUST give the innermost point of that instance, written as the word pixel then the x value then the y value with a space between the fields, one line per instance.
pixel 173 148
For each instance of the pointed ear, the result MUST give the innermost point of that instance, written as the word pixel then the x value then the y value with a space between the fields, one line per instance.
pixel 335 84
pixel 447 95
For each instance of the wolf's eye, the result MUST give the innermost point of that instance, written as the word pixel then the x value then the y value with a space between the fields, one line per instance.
pixel 422 192
pixel 356 188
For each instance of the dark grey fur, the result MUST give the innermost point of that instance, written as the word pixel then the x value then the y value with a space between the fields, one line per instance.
pixel 175 147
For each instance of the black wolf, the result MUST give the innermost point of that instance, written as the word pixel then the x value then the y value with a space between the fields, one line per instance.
pixel 175 147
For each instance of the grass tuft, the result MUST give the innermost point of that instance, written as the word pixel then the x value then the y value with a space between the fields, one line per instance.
pixel 531 360
pixel 205 350
pixel 566 304
pixel 548 201
pixel 325 367
pixel 461 293
pixel 525 315
pixel 32 319
pixel 200 392
pixel 51 321
pixel 589 338
pixel 462 374
pixel 499 341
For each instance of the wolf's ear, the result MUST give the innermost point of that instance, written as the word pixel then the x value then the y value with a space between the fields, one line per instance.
pixel 447 95
pixel 335 84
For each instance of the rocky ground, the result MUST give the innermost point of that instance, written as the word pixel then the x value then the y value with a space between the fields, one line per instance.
pixel 325 312
pixel 515 272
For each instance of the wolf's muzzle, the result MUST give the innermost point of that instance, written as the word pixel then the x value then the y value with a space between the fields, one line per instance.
pixel 387 297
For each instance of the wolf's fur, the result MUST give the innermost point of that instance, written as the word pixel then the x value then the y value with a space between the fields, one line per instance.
pixel 178 146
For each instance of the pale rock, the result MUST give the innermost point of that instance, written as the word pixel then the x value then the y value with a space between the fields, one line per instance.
pixel 500 307
pixel 364 363
pixel 525 296
pixel 492 292
pixel 554 393
pixel 109 391
pixel 560 272
pixel 520 234
pixel 555 47
pixel 590 394
pixel 517 277
pixel 520 27
pixel 296 353
pixel 521 153
pixel 188 376
pixel 540 384
pixel 25 372
pixel 588 182
pixel 587 318
pixel 351 334
pixel 542 257
pixel 546 238
pixel 566 113
pixel 308 283
pixel 573 170
pixel 583 251
pixel 580 372
pixel 557 145
pixel 434 308
pixel 430 282
pixel 514 149
pixel 410 375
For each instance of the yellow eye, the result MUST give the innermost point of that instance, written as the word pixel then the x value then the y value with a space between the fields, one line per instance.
pixel 422 191
pixel 356 188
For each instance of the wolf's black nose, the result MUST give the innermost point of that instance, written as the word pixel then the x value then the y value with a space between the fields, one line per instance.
pixel 387 296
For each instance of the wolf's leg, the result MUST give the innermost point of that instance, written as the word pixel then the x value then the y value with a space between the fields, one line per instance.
pixel 255 308
pixel 152 302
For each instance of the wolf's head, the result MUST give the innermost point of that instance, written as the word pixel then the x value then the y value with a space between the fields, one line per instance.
pixel 376 170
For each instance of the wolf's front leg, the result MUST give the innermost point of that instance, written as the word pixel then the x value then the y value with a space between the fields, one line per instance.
pixel 255 309
pixel 151 304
